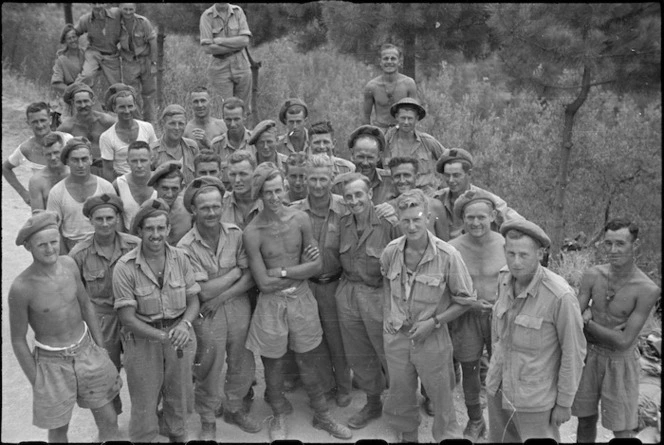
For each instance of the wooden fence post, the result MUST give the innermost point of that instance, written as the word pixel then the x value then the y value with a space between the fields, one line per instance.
pixel 160 65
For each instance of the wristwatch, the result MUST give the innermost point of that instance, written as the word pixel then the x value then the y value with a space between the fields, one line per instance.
pixel 436 323
pixel 283 272
pixel 188 323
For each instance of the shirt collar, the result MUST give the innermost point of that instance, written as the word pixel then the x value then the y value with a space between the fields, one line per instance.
pixel 140 259
pixel 336 205
pixel 530 290
pixel 198 237
pixel 216 13
pixel 429 252
pixel 118 244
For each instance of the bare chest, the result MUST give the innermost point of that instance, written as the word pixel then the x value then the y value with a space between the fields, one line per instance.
pixel 127 135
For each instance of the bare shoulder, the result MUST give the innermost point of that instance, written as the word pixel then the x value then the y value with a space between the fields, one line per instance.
pixel 373 83
pixel 105 119
pixel 38 179
pixel 67 125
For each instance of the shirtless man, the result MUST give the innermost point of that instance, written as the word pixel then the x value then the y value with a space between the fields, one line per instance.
pixel 86 122
pixel 388 88
pixel 38 116
pixel 622 297
pixel 69 361
pixel 132 187
pixel 43 180
pixel 282 256
pixel 482 250
pixel 203 127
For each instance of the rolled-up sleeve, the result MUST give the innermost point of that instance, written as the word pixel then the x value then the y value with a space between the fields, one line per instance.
pixel 200 273
pixel 241 256
pixel 569 327
pixel 123 287
pixel 192 286
pixel 459 282
pixel 205 29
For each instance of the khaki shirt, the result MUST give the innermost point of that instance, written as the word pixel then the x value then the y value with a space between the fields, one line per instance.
pixel 538 343
pixel 189 150
pixel 139 39
pixel 328 235
pixel 285 146
pixel 381 186
pixel 65 70
pixel 341 165
pixel 212 25
pixel 220 146
pixel 427 151
pixel 231 213
pixel 441 278
pixel 360 255
pixel 103 34
pixel 209 263
pixel 134 284
pixel 97 269
pixel 455 225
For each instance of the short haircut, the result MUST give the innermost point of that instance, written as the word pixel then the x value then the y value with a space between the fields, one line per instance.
pixel 138 145
pixel 207 156
pixel 371 137
pixel 412 198
pixel 398 160
pixel 355 176
pixel 119 94
pixel 63 35
pixel 36 107
pixel 386 46
pixel 515 234
pixel 623 223
pixel 296 109
pixel 242 155
pixel 53 138
pixel 320 161
pixel 298 159
pixel 321 127
pixel 232 103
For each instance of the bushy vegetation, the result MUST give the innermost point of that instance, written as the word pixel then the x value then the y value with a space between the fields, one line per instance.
pixel 513 135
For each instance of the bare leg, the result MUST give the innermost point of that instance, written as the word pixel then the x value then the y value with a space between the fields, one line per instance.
pixel 58 435
pixel 586 431
pixel 107 421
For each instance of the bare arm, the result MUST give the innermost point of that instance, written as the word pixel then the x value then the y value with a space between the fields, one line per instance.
pixel 107 170
pixel 18 324
pixel 412 89
pixel 87 311
pixel 127 316
pixel 367 105
pixel 624 339
pixel 305 269
pixel 240 287
pixel 264 282
pixel 586 286
pixel 216 286
pixel 36 189
pixel 10 176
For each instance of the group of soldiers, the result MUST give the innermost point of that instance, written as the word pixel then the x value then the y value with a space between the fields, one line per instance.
pixel 173 256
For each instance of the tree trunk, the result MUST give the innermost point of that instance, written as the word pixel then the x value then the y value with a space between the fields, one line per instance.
pixel 160 66
pixel 409 55
pixel 69 16
pixel 563 170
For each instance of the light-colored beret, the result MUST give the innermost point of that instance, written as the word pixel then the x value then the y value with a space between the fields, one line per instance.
pixel 289 103
pixel 261 128
pixel 527 228
pixel 196 186
pixel 39 221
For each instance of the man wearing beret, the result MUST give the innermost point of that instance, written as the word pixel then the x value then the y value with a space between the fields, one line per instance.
pixel 96 257
pixel 156 296
pixel 404 140
pixel 102 26
pixel 366 143
pixel 68 363
pixel 264 140
pixel 167 180
pixel 426 286
pixel 538 342
pixel 30 152
pixel 362 237
pixel 220 267
pixel 236 137
pixel 42 181
pixel 482 250
pixel 85 121
pixel 321 141
pixel 282 255
pixel 383 91
pixel 66 198
pixel 456 166
pixel 172 146
pixel 325 210
pixel 293 114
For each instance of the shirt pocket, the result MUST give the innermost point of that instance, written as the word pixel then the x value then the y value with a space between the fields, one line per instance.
pixel 527 333
pixel 175 298
pixel 332 237
pixel 94 281
pixel 373 261
pixel 147 299
pixel 429 291
pixel 394 277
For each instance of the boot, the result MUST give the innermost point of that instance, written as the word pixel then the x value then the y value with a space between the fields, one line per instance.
pixel 372 410
pixel 474 429
pixel 208 431
pixel 178 439
pixel 278 430
pixel 244 420
pixel 428 406
pixel 409 437
pixel 323 421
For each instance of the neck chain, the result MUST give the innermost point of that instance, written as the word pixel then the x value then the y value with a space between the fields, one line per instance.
pixel 390 94
pixel 611 289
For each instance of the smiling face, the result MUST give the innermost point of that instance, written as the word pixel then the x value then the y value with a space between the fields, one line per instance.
pixel 456 178
pixel 619 247
pixel 200 102
pixel 413 222
pixel 357 197
pixel 71 40
pixel 366 155
pixel 207 208
pixel 321 144
pixel 39 123
pixel 239 174
pixel 319 182
pixel 404 177
pixel 477 218
pixel 83 102
pixel 44 246
pixel 128 10
pixel 168 189
pixel 124 108
pixel 272 193
pixel 154 232
pixel 174 127
pixel 266 145
pixel 389 61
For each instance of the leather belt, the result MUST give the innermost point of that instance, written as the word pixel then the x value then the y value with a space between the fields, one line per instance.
pixel 165 323
pixel 324 279
pixel 224 56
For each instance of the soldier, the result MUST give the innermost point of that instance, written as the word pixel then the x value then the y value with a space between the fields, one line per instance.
pixel 321 141
pixel 167 180
pixel 203 128
pixel 235 138
pixel 293 115
pixel 42 181
pixel 296 175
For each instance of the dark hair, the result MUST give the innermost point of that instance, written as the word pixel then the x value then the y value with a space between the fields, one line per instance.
pixel 138 145
pixel 36 107
pixel 242 155
pixel 207 156
pixel 68 27
pixel 298 159
pixel 123 93
pixel 398 160
pixel 321 127
pixel 296 109
pixel 232 103
pixel 622 223
pixel 53 138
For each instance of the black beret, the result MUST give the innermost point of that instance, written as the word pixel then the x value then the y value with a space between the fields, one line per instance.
pixel 151 207
pixel 260 174
pixel 451 155
pixel 289 103
pixel 73 144
pixel 527 228
pixel 163 169
pixel 369 130
pixel 196 186
pixel 106 199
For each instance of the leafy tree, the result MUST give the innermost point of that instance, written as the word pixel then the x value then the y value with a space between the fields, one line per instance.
pixel 570 48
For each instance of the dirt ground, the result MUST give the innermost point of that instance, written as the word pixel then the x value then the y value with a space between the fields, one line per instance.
pixel 16 391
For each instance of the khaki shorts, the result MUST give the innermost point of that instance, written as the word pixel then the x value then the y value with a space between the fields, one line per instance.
pixel 470 333
pixel 285 318
pixel 611 377
pixel 82 374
